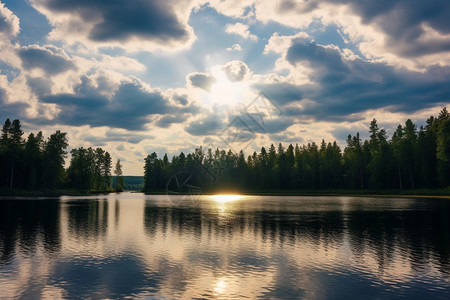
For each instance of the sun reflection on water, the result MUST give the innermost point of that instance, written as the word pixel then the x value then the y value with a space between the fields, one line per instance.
pixel 220 286
pixel 226 198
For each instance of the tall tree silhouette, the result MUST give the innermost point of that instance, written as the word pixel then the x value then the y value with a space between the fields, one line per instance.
pixel 12 144
pixel 443 147
pixel 119 176
pixel 54 155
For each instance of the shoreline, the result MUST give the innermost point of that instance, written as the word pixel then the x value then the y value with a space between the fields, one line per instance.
pixel 419 193
pixel 439 193
pixel 50 193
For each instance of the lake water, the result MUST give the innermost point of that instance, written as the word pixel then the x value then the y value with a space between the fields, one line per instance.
pixel 158 247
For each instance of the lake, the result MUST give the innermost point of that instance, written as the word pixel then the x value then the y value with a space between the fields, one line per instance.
pixel 131 245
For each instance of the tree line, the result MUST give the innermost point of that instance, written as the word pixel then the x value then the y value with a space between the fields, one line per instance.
pixel 412 158
pixel 37 163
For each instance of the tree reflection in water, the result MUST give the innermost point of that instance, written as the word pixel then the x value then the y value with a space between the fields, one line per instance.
pixel 276 247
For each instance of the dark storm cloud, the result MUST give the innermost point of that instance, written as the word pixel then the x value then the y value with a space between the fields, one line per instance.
pixel 201 80
pixel 342 87
pixel 403 20
pixel 128 108
pixel 49 59
pixel 120 20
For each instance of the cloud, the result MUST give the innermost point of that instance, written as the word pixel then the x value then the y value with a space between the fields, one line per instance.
pixel 240 29
pixel 207 125
pixel 15 101
pixel 279 44
pixel 201 80
pixel 277 125
pixel 93 103
pixel 343 87
pixel 116 135
pixel 167 120
pixel 181 99
pixel 9 23
pixel 236 70
pixel 120 63
pixel 9 110
pixel 341 132
pixel 235 47
pixel 39 85
pixel 408 27
pixel 282 92
pixel 316 56
pixel 9 29
pixel 287 137
pixel 396 32
pixel 129 24
pixel 50 59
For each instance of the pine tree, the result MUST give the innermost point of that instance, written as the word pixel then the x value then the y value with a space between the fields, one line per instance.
pixel 119 176
pixel 443 147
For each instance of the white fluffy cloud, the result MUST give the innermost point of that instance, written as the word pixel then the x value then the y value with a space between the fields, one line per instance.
pixel 9 23
pixel 393 32
pixel 242 30
pixel 9 29
pixel 236 70
pixel 235 47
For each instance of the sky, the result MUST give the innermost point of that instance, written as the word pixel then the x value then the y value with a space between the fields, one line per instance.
pixel 165 76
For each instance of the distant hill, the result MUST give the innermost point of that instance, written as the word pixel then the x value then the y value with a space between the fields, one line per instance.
pixel 133 183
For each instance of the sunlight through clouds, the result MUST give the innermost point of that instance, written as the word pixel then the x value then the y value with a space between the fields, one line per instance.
pixel 176 69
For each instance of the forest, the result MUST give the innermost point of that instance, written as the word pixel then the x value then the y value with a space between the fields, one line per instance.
pixel 413 158
pixel 38 163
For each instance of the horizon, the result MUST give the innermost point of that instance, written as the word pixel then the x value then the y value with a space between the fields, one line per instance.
pixel 169 77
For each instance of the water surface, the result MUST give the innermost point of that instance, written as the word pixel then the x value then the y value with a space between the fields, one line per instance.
pixel 154 247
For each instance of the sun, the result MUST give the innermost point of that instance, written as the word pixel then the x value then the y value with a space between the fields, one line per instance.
pixel 226 92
